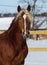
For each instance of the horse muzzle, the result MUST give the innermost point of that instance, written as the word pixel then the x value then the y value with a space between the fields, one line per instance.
pixel 26 35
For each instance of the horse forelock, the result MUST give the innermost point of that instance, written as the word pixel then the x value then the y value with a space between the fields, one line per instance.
pixel 25 12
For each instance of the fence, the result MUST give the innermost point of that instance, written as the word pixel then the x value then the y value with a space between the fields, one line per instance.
pixel 32 31
pixel 38 31
pixel 35 34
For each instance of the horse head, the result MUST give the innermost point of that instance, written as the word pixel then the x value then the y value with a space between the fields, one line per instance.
pixel 25 18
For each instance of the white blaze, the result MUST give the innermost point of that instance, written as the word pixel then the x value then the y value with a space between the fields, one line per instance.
pixel 24 16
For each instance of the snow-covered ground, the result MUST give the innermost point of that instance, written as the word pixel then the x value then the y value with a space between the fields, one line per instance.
pixel 36 57
pixel 33 57
pixel 5 22
pixel 36 43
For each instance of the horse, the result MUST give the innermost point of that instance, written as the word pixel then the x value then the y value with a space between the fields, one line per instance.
pixel 13 46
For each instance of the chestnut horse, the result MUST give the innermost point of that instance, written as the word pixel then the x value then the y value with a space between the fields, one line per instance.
pixel 13 47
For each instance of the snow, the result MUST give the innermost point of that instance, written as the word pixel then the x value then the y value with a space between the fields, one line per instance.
pixel 5 22
pixel 36 43
pixel 36 57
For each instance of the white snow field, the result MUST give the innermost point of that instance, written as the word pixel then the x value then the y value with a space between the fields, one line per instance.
pixel 33 57
pixel 5 22
pixel 36 57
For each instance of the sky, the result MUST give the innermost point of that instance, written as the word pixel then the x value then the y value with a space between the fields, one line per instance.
pixel 10 6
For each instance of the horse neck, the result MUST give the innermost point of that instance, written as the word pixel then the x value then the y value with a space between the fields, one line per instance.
pixel 14 32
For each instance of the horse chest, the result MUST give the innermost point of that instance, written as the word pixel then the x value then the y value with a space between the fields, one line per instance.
pixel 6 52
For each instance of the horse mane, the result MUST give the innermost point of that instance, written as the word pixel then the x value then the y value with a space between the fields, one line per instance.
pixel 15 20
pixel 14 25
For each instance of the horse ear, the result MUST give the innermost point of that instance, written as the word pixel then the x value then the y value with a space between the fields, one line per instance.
pixel 18 8
pixel 29 8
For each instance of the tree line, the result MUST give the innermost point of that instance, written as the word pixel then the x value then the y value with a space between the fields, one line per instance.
pixel 8 14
